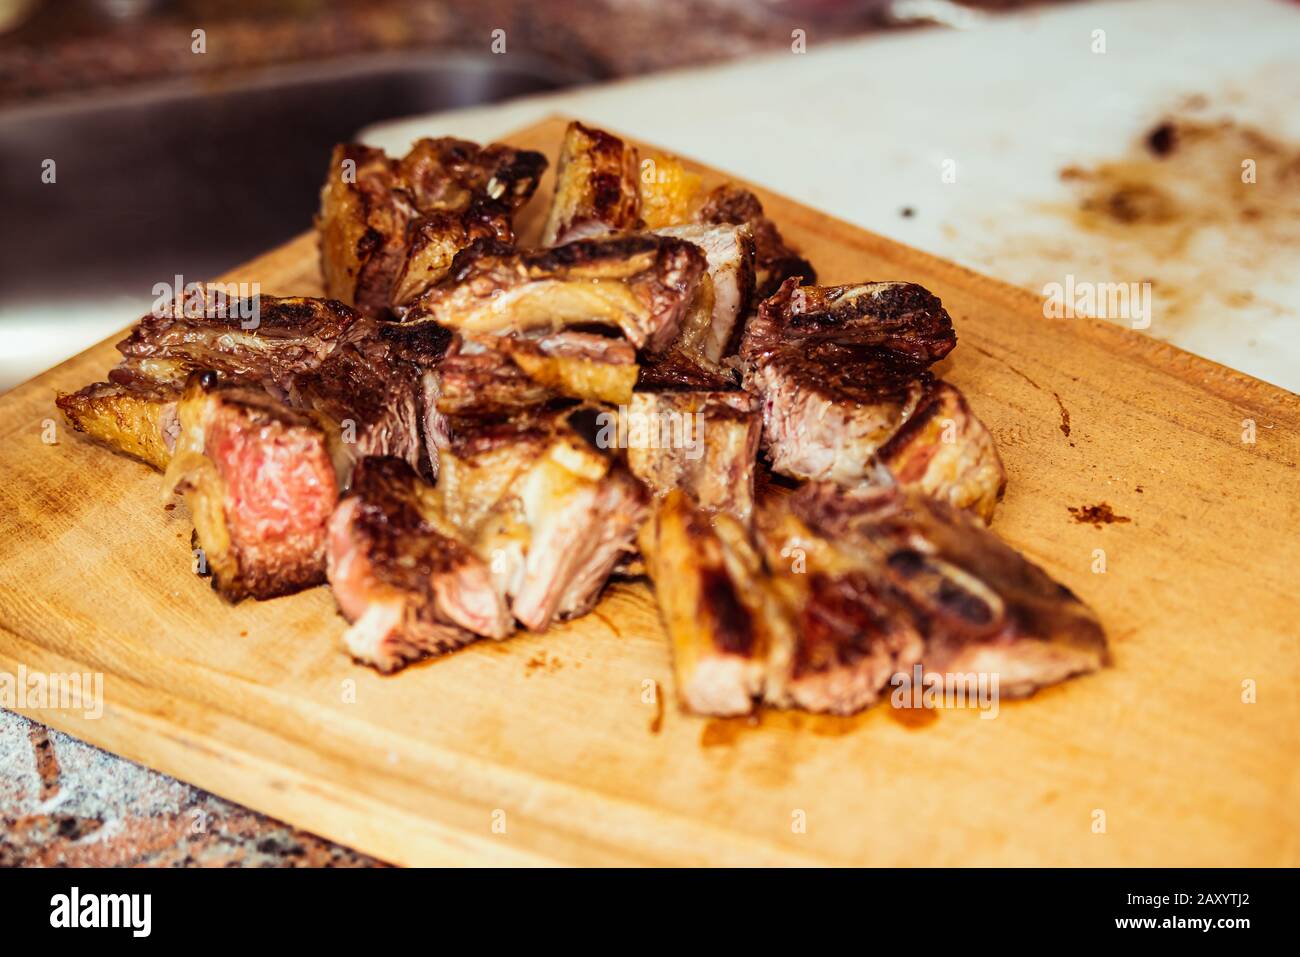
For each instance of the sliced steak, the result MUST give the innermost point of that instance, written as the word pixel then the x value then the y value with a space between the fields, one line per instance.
pixel 596 187
pixel 943 450
pixel 548 511
pixel 284 337
pixel 849 632
pixel 407 586
pixel 843 375
pixel 389 227
pixel 715 602
pixel 982 607
pixel 260 485
pixel 705 443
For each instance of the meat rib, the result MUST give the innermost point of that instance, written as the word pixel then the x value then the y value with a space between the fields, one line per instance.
pixel 640 285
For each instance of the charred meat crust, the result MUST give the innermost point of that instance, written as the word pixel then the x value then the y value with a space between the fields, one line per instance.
pixel 596 187
pixel 444 193
pixel 285 337
pixel 641 285
pixel 898 323
pixel 408 587
pixel 981 605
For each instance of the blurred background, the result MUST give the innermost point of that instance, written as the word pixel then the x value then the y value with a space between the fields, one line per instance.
pixel 189 135
pixel 141 139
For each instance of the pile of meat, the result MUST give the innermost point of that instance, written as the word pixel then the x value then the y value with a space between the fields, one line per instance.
pixel 468 437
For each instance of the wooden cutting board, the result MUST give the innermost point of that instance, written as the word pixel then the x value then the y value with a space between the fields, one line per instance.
pixel 550 749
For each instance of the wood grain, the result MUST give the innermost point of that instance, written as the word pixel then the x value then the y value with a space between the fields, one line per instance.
pixel 555 735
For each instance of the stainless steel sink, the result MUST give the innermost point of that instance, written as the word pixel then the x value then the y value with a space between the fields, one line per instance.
pixel 194 176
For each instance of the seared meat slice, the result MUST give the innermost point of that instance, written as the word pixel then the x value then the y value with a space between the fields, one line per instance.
pixel 550 513
pixel 774 261
pixel 902 317
pixel 702 442
pixel 582 511
pixel 377 212
pixel 982 606
pixel 723 295
pixel 260 486
pixel 943 450
pixel 435 239
pixel 286 337
pixel 450 174
pixel 407 586
pixel 364 214
pixel 641 285
pixel 367 403
pixel 716 603
pixel 850 632
pixel 139 421
pixel 596 187
pixel 842 373
pixel 827 409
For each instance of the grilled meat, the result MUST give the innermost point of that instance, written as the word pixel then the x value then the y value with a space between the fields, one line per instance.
pixel 139 421
pixel 982 607
pixel 579 365
pixel 641 285
pixel 366 403
pixel 702 442
pixel 282 339
pixel 596 187
pixel 435 239
pixel 405 583
pixel 549 512
pixel 637 284
pixel 496 375
pixel 447 174
pixel 260 485
pixel 389 227
pixel 849 632
pixel 717 607
pixel 943 450
pixel 901 317
pixel 842 372
pixel 774 261
pixel 364 214
pixel 723 295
